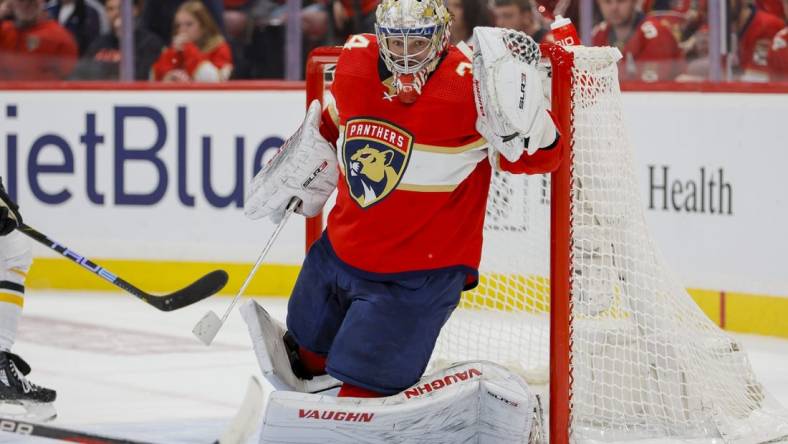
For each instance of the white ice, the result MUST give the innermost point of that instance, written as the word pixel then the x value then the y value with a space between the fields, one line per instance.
pixel 124 369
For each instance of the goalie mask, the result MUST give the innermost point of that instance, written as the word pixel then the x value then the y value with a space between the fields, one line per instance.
pixel 412 35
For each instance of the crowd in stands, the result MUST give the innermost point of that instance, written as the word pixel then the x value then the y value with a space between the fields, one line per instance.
pixel 218 40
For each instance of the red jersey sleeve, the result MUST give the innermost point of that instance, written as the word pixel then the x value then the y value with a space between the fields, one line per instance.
pixel 192 58
pixel 329 125
pixel 221 56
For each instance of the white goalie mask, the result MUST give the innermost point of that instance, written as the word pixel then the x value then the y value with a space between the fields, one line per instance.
pixel 412 34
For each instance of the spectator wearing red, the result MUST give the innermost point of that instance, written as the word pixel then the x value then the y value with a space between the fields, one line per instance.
pixel 678 16
pixel 198 51
pixel 651 52
pixel 777 59
pixel 33 46
pixel 756 30
pixel 466 15
pixel 521 16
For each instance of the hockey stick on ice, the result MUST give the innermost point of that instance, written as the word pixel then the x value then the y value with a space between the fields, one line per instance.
pixel 242 426
pixel 207 327
pixel 206 286
pixel 57 433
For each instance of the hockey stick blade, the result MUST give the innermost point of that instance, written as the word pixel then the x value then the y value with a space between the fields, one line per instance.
pixel 200 289
pixel 204 287
pixel 243 424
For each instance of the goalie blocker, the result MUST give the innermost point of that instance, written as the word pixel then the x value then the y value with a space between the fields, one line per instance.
pixel 467 402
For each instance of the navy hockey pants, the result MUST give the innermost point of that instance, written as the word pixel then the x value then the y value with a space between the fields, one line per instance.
pixel 378 335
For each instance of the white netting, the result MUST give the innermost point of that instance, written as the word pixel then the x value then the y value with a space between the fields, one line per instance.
pixel 646 361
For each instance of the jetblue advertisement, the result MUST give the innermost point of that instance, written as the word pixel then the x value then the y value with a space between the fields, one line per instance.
pixel 161 175
pixel 147 174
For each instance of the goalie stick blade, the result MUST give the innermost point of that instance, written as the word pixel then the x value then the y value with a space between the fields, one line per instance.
pixel 247 419
pixel 204 287
pixel 207 328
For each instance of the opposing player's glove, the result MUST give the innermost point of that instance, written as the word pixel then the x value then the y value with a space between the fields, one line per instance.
pixel 305 167
pixel 9 213
pixel 510 98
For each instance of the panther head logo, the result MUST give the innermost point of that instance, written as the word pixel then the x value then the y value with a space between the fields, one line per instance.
pixel 374 155
pixel 378 177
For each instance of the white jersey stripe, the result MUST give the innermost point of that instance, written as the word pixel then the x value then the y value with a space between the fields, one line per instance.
pixel 438 169
pixel 433 168
pixel 477 144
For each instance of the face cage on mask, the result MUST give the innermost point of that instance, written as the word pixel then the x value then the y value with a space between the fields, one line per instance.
pixel 408 63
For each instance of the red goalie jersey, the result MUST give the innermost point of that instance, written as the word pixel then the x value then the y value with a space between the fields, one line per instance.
pixel 414 178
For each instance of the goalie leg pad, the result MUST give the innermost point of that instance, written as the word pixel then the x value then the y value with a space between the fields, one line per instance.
pixel 272 353
pixel 469 402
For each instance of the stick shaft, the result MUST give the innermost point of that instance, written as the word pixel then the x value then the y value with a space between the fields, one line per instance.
pixel 77 258
pixel 199 290
pixel 61 434
pixel 243 424
pixel 294 203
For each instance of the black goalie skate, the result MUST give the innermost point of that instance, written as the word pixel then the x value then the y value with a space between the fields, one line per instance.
pixel 15 389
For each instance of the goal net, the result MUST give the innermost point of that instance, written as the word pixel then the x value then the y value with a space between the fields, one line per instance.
pixel 627 353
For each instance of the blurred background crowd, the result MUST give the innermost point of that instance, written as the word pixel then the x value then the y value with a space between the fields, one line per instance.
pixel 220 40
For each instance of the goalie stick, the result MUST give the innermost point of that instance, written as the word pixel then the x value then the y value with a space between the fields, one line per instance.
pixel 206 286
pixel 244 423
pixel 207 328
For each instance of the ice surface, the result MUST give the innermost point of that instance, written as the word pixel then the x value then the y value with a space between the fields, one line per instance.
pixel 124 369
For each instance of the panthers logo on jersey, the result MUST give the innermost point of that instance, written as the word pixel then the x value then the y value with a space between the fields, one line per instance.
pixel 375 154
